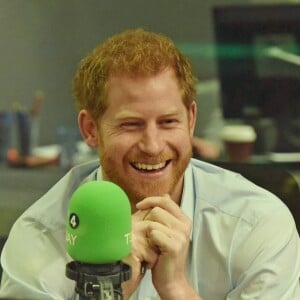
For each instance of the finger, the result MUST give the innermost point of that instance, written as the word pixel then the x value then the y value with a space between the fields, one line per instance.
pixel 140 246
pixel 160 215
pixel 157 235
pixel 164 202
pixel 140 215
pixel 155 226
pixel 143 252
pixel 147 256
pixel 166 243
pixel 166 239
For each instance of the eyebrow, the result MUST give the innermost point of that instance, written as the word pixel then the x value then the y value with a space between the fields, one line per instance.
pixel 127 114
pixel 131 114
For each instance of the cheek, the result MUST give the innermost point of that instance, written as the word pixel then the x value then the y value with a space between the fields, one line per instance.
pixel 180 139
pixel 116 146
pixel 183 145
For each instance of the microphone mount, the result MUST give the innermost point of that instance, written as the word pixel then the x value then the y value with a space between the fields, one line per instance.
pixel 98 281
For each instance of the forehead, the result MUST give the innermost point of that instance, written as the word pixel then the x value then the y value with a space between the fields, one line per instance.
pixel 163 86
pixel 143 96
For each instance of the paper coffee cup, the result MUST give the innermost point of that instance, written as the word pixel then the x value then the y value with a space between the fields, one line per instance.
pixel 239 141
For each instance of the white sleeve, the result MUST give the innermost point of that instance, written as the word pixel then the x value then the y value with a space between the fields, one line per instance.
pixel 267 264
pixel 34 262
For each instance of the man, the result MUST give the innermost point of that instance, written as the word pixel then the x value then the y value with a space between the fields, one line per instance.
pixel 204 232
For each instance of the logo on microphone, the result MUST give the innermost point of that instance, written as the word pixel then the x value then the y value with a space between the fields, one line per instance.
pixel 128 238
pixel 74 220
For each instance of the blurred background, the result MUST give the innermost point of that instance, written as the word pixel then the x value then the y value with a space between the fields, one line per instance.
pixel 244 53
pixel 42 42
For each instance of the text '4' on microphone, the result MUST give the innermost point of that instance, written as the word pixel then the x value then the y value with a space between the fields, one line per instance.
pixel 98 237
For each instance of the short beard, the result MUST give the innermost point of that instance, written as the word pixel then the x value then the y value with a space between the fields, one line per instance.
pixel 141 190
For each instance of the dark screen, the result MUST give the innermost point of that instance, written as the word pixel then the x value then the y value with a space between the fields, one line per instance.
pixel 258 61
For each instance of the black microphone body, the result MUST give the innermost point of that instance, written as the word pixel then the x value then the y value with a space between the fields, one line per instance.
pixel 98 282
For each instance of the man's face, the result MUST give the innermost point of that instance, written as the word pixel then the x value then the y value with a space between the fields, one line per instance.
pixel 145 135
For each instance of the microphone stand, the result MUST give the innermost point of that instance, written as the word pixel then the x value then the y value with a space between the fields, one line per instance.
pixel 98 281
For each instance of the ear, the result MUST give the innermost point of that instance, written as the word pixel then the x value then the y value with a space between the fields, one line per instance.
pixel 192 114
pixel 88 128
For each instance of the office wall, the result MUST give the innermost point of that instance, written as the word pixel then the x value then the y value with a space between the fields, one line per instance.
pixel 42 42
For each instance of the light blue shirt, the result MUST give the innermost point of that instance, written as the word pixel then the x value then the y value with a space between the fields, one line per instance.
pixel 244 242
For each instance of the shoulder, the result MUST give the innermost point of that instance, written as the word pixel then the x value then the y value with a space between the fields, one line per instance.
pixel 231 194
pixel 50 210
pixel 34 253
pixel 34 261
pixel 247 228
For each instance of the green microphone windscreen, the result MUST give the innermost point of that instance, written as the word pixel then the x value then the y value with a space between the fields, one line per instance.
pixel 98 223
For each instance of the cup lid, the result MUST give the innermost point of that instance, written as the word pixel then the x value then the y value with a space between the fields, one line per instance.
pixel 238 133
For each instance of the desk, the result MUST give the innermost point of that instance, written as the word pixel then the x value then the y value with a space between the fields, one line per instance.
pixel 21 187
pixel 291 166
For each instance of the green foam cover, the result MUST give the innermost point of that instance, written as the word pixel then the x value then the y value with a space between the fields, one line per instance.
pixel 98 227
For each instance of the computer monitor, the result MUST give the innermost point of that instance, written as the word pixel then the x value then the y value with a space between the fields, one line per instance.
pixel 258 61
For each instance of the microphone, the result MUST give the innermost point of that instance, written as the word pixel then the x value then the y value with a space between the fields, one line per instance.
pixel 98 236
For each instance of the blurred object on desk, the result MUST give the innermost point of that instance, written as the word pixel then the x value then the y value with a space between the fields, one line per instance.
pixel 14 159
pixel 35 112
pixel 23 126
pixel 239 141
pixel 287 157
pixel 206 141
pixel 27 128
pixel 67 138
pixel 28 123
pixel 6 124
pixel 53 155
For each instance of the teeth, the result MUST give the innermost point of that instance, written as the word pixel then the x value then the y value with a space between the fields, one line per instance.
pixel 149 167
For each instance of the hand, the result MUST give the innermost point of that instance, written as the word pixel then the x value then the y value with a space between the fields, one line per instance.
pixel 168 233
pixel 140 253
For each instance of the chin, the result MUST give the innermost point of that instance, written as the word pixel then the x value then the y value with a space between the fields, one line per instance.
pixel 140 191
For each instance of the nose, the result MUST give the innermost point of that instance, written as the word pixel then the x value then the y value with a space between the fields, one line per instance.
pixel 151 141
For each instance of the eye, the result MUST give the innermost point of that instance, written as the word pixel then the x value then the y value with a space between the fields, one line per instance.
pixel 169 122
pixel 131 124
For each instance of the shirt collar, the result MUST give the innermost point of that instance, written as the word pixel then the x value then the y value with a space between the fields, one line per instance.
pixel 187 199
pixel 99 174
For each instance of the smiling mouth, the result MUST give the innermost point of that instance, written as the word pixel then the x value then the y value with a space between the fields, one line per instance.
pixel 150 167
